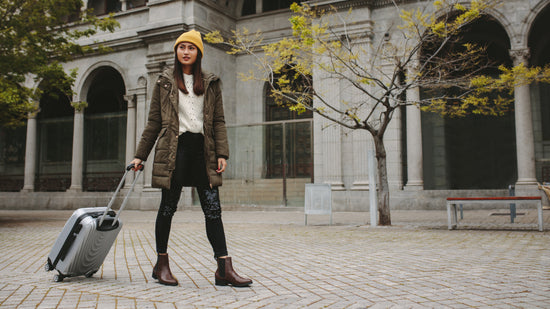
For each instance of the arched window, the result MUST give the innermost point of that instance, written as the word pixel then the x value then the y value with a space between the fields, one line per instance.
pixel 104 131
pixel 472 152
pixel 55 142
pixel 539 46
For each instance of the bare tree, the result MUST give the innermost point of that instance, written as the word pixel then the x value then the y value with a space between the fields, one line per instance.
pixel 425 50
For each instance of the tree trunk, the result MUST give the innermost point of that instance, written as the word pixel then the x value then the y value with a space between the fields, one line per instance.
pixel 384 217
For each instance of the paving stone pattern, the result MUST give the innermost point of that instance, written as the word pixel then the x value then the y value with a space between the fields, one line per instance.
pixel 416 263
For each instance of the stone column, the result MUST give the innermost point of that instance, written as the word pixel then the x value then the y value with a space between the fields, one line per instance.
pixel 130 134
pixel 78 151
pixel 525 141
pixel 360 145
pixel 415 177
pixel 259 6
pixel 332 147
pixel 328 135
pixel 361 139
pixel 30 155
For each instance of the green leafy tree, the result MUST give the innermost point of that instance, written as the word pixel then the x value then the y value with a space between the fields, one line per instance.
pixel 36 37
pixel 425 51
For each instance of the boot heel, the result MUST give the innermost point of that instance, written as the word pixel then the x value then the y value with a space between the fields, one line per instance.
pixel 221 282
pixel 154 275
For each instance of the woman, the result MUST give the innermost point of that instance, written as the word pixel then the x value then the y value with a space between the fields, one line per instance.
pixel 186 116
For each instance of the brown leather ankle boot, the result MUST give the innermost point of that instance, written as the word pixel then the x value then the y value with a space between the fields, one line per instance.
pixel 162 272
pixel 226 275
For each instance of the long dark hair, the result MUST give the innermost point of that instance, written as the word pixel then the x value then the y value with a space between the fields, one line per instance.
pixel 198 84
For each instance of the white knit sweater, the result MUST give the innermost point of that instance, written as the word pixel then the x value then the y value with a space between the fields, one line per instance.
pixel 190 108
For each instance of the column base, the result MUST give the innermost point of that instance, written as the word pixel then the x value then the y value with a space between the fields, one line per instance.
pixel 27 189
pixel 527 182
pixel 128 181
pixel 337 186
pixel 527 187
pixel 414 185
pixel 360 186
pixel 74 189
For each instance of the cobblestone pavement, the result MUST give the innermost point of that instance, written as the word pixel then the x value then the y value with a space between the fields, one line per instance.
pixel 416 263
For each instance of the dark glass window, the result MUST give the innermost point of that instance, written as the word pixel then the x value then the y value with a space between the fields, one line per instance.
pixel 102 7
pixel 272 5
pixel 292 138
pixel 55 142
pixel 75 16
pixel 136 3
pixel 12 158
pixel 249 7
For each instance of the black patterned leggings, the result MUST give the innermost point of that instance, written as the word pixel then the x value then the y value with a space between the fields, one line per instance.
pixel 210 204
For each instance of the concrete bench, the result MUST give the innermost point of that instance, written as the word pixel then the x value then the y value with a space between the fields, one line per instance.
pixel 452 202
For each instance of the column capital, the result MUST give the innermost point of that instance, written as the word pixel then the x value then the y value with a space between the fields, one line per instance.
pixel 78 152
pixel 79 106
pixel 33 114
pixel 131 100
pixel 520 55
pixel 155 67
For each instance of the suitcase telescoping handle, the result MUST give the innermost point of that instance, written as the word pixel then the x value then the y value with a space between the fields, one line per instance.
pixel 128 169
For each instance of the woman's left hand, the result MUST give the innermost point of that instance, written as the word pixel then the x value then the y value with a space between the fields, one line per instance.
pixel 222 164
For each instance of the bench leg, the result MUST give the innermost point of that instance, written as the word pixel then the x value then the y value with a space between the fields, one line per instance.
pixel 513 214
pixel 541 219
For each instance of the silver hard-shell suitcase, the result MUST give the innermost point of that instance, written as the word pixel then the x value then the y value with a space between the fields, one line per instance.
pixel 87 237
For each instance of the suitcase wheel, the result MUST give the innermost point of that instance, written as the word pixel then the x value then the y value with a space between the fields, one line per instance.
pixel 90 274
pixel 48 266
pixel 58 278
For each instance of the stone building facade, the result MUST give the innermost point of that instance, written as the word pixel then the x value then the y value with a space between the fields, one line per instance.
pixel 69 158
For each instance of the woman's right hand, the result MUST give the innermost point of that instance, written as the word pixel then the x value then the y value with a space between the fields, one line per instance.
pixel 136 162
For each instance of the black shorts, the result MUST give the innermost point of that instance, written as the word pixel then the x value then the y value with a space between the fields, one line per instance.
pixel 190 162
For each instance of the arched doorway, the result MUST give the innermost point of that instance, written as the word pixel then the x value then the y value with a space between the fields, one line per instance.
pixel 474 152
pixel 55 142
pixel 539 45
pixel 104 130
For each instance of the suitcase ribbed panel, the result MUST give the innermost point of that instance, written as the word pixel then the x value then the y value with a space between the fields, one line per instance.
pixel 90 247
pixel 82 246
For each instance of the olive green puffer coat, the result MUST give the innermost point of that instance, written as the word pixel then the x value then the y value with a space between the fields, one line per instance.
pixel 163 125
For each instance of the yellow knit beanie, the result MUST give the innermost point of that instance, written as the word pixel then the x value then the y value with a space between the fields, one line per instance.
pixel 191 37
